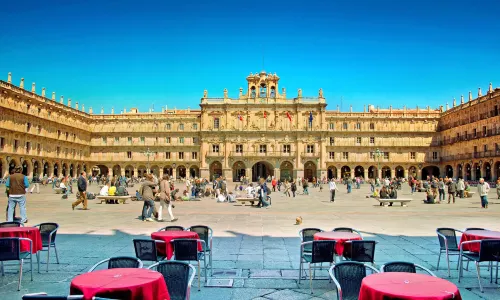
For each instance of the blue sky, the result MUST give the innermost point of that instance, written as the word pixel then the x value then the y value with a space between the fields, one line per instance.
pixel 139 53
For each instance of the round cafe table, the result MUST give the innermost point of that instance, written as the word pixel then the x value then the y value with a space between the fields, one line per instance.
pixel 31 233
pixel 121 283
pixel 167 236
pixel 407 286
pixel 338 236
pixel 473 235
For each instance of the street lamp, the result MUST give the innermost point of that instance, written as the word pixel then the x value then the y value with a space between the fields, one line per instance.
pixel 148 153
pixel 378 154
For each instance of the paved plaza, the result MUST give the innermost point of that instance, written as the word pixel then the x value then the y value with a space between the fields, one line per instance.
pixel 260 246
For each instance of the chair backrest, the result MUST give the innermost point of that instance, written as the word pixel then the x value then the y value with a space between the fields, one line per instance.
pixel 349 276
pixel 450 236
pixel 145 249
pixel 124 262
pixel 490 250
pixel 172 228
pixel 204 233
pixel 176 275
pixel 11 224
pixel 9 249
pixel 46 229
pixel 322 251
pixel 474 228
pixel 43 296
pixel 399 266
pixel 185 249
pixel 307 235
pixel 361 251
pixel 343 229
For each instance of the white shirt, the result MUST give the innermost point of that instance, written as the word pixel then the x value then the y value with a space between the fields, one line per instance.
pixel 62 185
pixel 249 191
pixel 104 191
pixel 333 186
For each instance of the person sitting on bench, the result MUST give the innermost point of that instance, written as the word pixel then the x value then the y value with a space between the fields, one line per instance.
pixel 383 194
pixel 393 194
pixel 105 190
pixel 430 197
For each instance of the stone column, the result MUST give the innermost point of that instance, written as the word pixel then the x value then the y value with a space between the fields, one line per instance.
pixel 338 173
pixel 161 173
pixel 277 173
pixel 122 171
pixel 365 173
pixel 174 172
pixel 379 173
pixel 406 173
pixel 136 173
pixel 248 173
pixel 393 172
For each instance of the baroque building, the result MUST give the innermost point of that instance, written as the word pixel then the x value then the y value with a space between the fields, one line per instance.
pixel 261 132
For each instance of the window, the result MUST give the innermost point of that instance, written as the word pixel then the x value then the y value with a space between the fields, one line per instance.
pixel 167 140
pixel 67 134
pixel 167 155
pixel 386 155
pixel 372 155
pixel 28 147
pixel 181 140
pixel 484 130
pixel 181 126
pixel 332 141
pixel 434 155
pixel 195 127
pixel 372 140
pixel 497 147
pixel 16 145
pixel 129 154
pixel 358 140
pixel 331 155
pixel 39 129
pixel 58 133
pixel 216 123
pixel 262 148
pixel 156 141
pixel 28 127
pixel 58 150
pixel 38 148
pixel 474 132
pixel 117 139
pixel 345 155
pixel 332 126
pixel 485 148
pixel 286 148
pixel 458 136
pixel 195 140
pixel 372 126
pixel 143 139
pixel 129 139
pixel 49 113
pixel 168 126
pixel 465 134
pixel 310 148
pixel 344 126
pixel 2 142
pixel 104 140
pixel 239 148
pixel 181 155
pixel 413 155
pixel 194 155
pixel 475 149
pixel 358 126
pixel 215 148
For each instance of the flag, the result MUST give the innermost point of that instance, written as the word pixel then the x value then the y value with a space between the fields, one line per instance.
pixel 310 117
pixel 288 116
pixel 265 114
pixel 240 117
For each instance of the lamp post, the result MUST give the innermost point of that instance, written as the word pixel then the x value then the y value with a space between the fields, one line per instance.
pixel 148 153
pixel 378 154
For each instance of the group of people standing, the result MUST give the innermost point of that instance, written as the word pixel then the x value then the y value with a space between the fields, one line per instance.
pixel 151 188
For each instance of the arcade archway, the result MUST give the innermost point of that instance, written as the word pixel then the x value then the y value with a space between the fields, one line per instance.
pixel 117 170
pixel 215 170
pixel 359 171
pixel 448 171
pixel 468 172
pixel 372 172
pixel 412 171
pixel 310 170
pixel 46 168
pixel 430 171
pixel 168 170
pixel 286 171
pixel 332 172
pixel 497 170
pixel 36 168
pixel 100 170
pixel 487 171
pixel 141 171
pixel 155 170
pixel 181 172
pixel 71 171
pixel 460 171
pixel 386 172
pixel 477 171
pixel 64 170
pixel 25 166
pixel 56 170
pixel 129 171
pixel 262 169
pixel 400 172
pixel 194 172
pixel 345 171
pixel 238 171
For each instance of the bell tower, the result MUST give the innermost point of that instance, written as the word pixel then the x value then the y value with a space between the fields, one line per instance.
pixel 263 85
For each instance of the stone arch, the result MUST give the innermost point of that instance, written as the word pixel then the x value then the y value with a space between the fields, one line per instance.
pixel 117 170
pixel 168 170
pixel 129 171
pixel 84 168
pixel 100 170
pixel 412 171
pixel 359 171
pixel 496 170
pixel 331 172
pixel 181 171
pixel 467 172
pixel 476 171
pixel 286 171
pixel 194 171
pixel 12 165
pixel 448 171
pixel 430 171
pixel 71 170
pixel 64 170
pixel 399 171
pixel 215 170
pixel 372 172
pixel 460 171
pixel 262 169
pixel 487 171
pixel 238 170
pixel 155 170
pixel 310 170
pixel 345 171
pixel 46 168
pixel 386 172
pixel 26 167
pixel 57 170
pixel 35 165
pixel 141 171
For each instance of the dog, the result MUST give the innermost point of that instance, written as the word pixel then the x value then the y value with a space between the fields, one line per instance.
pixel 298 221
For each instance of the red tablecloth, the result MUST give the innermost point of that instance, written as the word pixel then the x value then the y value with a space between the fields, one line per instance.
pixel 403 286
pixel 167 236
pixel 31 233
pixel 472 235
pixel 126 283
pixel 340 237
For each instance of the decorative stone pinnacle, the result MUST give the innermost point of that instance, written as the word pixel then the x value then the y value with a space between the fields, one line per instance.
pixel 470 96
pixel 62 100
pixel 462 99
pixel 69 102
pixel 33 87
pixel 54 96
pixel 490 89
pixel 76 105
pixel 454 102
pixel 9 77
pixel 447 106
pixel 83 107
pixel 479 93
pixel 112 110
pixel 21 85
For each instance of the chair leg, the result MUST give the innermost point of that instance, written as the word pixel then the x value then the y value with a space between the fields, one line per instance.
pixel 205 263
pixel 496 277
pixel 211 266
pixel 300 269
pixel 199 274
pixel 448 260
pixel 20 275
pixel 55 250
pixel 3 274
pixel 38 257
pixel 461 263
pixel 310 279
pixel 439 258
pixel 48 257
pixel 479 276
pixel 31 265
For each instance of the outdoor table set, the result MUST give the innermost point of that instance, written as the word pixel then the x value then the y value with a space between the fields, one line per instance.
pixel 166 249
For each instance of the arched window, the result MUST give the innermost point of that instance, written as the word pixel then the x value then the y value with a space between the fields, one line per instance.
pixel 263 90
pixel 273 92
pixel 252 92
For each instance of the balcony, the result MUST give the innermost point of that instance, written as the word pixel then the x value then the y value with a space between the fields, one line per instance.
pixel 313 155
pixel 262 154
pixel 215 154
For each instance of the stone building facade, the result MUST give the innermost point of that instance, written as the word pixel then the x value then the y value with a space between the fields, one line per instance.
pixel 261 132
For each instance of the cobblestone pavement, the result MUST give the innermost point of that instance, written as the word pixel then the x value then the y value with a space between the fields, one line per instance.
pixel 260 246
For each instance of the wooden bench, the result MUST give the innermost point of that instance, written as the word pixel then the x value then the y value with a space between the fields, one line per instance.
pixel 399 200
pixel 113 199
pixel 58 190
pixel 243 200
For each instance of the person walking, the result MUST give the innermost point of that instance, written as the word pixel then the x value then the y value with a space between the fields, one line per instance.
pixel 165 200
pixel 349 185
pixel 17 184
pixel 82 192
pixel 441 186
pixel 293 188
pixel 148 198
pixel 461 187
pixel 287 188
pixel 36 184
pixel 452 190
pixel 263 194
pixel 483 189
pixel 273 183
pixel 333 187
